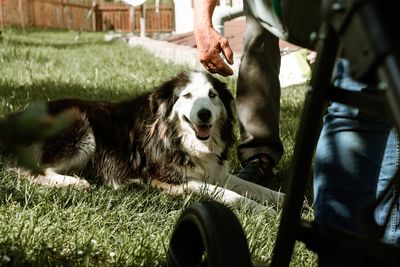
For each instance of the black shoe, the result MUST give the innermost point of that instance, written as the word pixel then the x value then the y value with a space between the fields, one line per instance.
pixel 258 171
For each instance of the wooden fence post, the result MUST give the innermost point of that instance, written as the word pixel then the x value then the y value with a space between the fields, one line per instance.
pixel 62 15
pixel 142 20
pixel 131 19
pixel 1 16
pixel 94 16
pixel 21 14
pixel 29 12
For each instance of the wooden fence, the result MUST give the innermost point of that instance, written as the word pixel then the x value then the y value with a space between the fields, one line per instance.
pixel 113 16
pixel 161 20
pixel 83 15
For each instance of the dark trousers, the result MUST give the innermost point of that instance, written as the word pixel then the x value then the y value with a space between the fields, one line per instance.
pixel 258 93
pixel 258 87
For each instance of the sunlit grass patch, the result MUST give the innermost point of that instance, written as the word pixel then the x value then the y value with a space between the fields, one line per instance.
pixel 101 226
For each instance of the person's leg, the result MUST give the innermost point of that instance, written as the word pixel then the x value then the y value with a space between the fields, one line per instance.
pixel 348 160
pixel 347 165
pixel 258 94
pixel 390 164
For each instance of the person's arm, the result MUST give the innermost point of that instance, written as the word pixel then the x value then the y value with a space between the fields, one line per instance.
pixel 209 42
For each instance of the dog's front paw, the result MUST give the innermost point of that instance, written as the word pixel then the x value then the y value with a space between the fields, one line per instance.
pixel 81 183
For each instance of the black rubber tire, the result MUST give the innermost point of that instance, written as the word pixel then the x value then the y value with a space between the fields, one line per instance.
pixel 208 234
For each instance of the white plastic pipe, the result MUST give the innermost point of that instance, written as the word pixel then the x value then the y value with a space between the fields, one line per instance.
pixel 223 14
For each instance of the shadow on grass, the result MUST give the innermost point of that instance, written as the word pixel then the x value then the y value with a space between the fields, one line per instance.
pixel 21 95
pixel 291 112
pixel 16 254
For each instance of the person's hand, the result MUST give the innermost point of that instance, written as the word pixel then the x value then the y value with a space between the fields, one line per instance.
pixel 212 48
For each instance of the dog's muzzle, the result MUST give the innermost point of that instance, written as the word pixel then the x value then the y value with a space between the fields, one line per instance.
pixel 203 128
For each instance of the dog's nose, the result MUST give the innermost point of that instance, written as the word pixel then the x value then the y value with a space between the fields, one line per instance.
pixel 204 115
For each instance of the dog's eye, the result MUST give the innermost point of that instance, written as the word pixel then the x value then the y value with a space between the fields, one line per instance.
pixel 212 95
pixel 188 95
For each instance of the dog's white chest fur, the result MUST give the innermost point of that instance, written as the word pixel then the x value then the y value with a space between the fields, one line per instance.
pixel 208 169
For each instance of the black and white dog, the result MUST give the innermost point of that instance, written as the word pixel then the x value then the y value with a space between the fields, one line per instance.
pixel 177 137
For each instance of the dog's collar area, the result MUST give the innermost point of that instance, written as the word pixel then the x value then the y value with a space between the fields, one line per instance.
pixel 202 130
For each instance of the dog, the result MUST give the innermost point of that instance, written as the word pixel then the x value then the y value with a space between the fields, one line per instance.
pixel 177 137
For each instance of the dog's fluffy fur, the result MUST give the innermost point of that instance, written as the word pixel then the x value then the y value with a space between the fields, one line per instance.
pixel 176 137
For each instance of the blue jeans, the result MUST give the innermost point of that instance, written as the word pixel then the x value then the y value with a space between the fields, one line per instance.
pixel 355 158
pixel 389 166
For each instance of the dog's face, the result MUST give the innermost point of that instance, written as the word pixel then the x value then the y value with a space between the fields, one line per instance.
pixel 199 106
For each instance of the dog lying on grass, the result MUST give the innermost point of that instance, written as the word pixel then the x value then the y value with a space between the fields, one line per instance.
pixel 176 137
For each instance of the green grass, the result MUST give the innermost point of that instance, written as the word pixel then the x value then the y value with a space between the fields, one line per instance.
pixel 42 226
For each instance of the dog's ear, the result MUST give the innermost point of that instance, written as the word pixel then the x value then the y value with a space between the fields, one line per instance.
pixel 165 96
pixel 163 99
pixel 227 99
pixel 224 94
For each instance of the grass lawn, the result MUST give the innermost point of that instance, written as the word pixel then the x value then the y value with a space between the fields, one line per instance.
pixel 42 226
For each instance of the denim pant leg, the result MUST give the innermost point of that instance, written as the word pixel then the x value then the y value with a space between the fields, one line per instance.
pixel 390 164
pixel 348 160
pixel 258 93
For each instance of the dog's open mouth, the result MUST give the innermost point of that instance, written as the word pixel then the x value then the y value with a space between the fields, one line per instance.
pixel 202 130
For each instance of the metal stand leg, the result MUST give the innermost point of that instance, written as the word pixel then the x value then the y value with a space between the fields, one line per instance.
pixel 310 126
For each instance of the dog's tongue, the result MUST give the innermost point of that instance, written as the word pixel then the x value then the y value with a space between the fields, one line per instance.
pixel 203 131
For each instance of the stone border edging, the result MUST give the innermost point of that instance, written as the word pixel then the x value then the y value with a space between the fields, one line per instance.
pixel 294 67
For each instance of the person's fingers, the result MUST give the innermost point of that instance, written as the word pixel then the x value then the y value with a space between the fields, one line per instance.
pixel 213 48
pixel 214 63
pixel 218 66
pixel 222 67
pixel 211 68
pixel 227 51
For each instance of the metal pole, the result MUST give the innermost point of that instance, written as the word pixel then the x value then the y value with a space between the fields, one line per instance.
pixel 306 141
